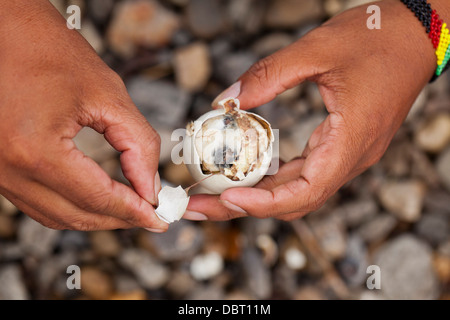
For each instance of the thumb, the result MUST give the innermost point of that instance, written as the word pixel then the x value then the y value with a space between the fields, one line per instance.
pixel 273 75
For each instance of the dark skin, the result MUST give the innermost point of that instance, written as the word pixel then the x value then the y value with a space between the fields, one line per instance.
pixel 52 84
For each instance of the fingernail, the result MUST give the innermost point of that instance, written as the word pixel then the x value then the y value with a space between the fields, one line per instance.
pixel 154 230
pixel 232 92
pixel 157 186
pixel 195 216
pixel 232 207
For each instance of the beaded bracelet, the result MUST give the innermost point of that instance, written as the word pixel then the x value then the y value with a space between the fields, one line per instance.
pixel 437 31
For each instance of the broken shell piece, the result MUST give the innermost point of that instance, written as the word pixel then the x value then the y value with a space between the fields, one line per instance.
pixel 233 145
pixel 172 204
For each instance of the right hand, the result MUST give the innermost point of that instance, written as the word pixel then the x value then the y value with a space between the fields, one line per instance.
pixel 52 84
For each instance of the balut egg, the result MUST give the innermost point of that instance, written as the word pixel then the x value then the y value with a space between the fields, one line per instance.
pixel 232 147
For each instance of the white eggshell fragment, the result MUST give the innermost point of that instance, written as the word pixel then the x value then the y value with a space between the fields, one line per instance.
pixel 223 134
pixel 172 204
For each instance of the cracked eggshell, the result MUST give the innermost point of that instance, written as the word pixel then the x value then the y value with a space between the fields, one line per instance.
pixel 172 204
pixel 218 183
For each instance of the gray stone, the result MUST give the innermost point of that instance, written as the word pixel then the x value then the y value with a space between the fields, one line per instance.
pixel 406 269
pixel 51 268
pixel 182 241
pixel 205 18
pixel 438 201
pixel 356 212
pixel 301 132
pixel 246 16
pixel 230 67
pixel 257 276
pixel 100 9
pixel 330 233
pixel 150 273
pixel 161 102
pixel 284 282
pixel 11 251
pixel 94 145
pixel 378 228
pixel 73 240
pixel 12 286
pixel 443 168
pixel 206 292
pixel 433 227
pixel 35 239
pixel 355 262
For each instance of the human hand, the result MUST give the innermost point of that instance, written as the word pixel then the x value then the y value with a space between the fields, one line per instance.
pixel 52 84
pixel 368 80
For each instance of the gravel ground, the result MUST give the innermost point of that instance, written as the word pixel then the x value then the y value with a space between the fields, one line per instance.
pixel 175 56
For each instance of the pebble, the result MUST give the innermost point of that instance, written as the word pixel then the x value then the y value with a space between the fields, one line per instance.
pixel 356 212
pixel 433 227
pixel 94 145
pixel 132 295
pixel 438 200
pixel 205 18
pixel 403 198
pixel 7 226
pixel 150 272
pixel 161 102
pixel 269 248
pixel 180 283
pixel 178 174
pixel 295 259
pixel 100 9
pixel 140 24
pixel 270 43
pixel 49 272
pixel 246 16
pixel 12 286
pixel 309 292
pixel 377 228
pixel 331 236
pixel 301 132
pixel 91 34
pixel 105 243
pixel 256 275
pixel 434 135
pixel 354 3
pixel 206 292
pixel 443 168
pixel 6 206
pixel 406 269
pixel 183 240
pixel 333 7
pixel 192 66
pixel 206 266
pixel 355 262
pixel 73 240
pixel 35 239
pixel 95 283
pixel 292 13
pixel 231 66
